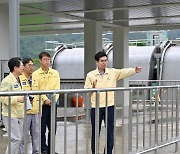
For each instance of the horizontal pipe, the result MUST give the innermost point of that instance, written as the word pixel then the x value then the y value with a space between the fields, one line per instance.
pixel 154 80
pixel 82 90
pixel 158 147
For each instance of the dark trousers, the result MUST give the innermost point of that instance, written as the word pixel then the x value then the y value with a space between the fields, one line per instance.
pixel 46 122
pixel 109 127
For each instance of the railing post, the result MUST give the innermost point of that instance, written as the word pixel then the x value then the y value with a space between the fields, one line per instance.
pixel 97 123
pixel 25 123
pixel 87 105
pixel 162 105
pixel 106 121
pixel 130 124
pixel 53 123
pixel 77 123
pixel 150 119
pixel 40 109
pixel 167 114
pixel 9 125
pixel 156 119
pixel 65 123
pixel 177 118
pixel 137 122
pixel 144 110
pixel 114 126
pixel 123 131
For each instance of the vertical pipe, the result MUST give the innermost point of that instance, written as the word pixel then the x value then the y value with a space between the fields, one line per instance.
pixel 87 103
pixel 123 132
pixel 172 115
pixel 25 123
pixel 53 119
pixel 156 118
pixel 9 124
pixel 150 119
pixel 143 101
pixel 162 92
pixel 97 123
pixel 40 109
pixel 177 118
pixel 65 123
pixel 137 122
pixel 114 128
pixel 167 101
pixel 77 123
pixel 130 124
pixel 106 121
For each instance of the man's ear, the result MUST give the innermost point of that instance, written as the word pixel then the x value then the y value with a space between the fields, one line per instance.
pixel 15 67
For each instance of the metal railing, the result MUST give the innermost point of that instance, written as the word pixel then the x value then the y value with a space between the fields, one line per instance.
pixel 78 84
pixel 149 125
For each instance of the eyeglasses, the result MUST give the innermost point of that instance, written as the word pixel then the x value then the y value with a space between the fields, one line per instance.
pixel 103 61
pixel 30 65
pixel 46 59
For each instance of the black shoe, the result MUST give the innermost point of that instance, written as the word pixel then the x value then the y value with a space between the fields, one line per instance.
pixel 45 152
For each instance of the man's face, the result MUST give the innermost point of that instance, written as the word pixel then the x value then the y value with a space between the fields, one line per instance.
pixel 19 70
pixel 45 61
pixel 102 63
pixel 29 67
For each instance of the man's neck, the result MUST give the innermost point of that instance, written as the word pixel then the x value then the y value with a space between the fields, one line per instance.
pixel 101 70
pixel 27 75
pixel 45 69
pixel 15 74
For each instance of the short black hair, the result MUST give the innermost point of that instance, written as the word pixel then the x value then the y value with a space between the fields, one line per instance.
pixel 99 55
pixel 26 61
pixel 14 62
pixel 43 54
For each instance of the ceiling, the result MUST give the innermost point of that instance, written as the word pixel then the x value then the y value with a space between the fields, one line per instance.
pixel 68 16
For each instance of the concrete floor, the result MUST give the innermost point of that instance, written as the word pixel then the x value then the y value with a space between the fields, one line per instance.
pixel 83 140
pixel 71 140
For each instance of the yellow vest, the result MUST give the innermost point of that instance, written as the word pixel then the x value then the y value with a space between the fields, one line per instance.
pixel 45 81
pixel 109 80
pixel 26 87
pixel 10 83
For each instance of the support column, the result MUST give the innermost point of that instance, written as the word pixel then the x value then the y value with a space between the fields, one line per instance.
pixel 4 40
pixel 4 31
pixel 14 33
pixel 121 58
pixel 92 44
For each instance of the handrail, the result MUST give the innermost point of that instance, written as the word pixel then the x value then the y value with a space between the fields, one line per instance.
pixel 82 80
pixel 154 80
pixel 35 92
